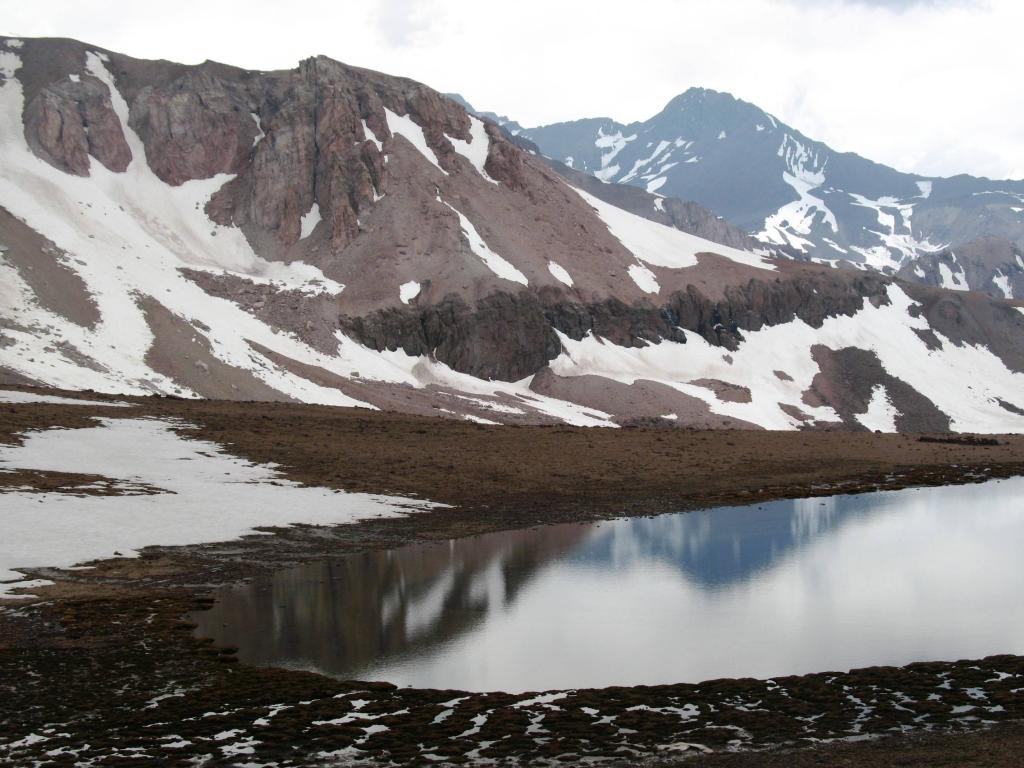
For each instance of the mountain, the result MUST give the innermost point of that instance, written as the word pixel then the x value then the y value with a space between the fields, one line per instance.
pixel 335 235
pixel 832 207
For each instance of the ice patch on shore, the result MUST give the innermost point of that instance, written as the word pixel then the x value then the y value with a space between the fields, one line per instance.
pixel 21 398
pixel 208 495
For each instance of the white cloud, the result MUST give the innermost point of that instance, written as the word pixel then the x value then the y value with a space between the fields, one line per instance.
pixel 406 22
pixel 929 88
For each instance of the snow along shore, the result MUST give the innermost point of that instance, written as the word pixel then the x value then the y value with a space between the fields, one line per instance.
pixel 172 491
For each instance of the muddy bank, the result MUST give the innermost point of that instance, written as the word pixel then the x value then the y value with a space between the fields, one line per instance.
pixel 106 668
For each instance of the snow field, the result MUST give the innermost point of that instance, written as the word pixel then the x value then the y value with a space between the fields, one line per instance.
pixel 963 381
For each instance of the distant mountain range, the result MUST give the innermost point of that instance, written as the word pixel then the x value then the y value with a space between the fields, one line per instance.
pixel 789 190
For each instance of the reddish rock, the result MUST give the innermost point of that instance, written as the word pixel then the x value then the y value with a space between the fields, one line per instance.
pixel 68 122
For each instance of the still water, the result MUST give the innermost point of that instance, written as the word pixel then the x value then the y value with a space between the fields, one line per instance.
pixel 786 587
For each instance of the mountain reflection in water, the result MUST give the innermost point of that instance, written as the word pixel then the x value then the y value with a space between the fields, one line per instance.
pixel 779 588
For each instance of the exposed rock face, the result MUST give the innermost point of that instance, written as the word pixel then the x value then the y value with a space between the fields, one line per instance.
pixel 194 127
pixel 511 336
pixel 505 336
pixel 69 122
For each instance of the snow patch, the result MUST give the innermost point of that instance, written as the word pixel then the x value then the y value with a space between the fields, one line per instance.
pixel 806 172
pixel 259 129
pixel 22 398
pixel 403 125
pixel 614 143
pixel 898 242
pixel 475 150
pixel 881 414
pixel 559 273
pixel 1002 282
pixel 408 291
pixel 953 281
pixel 207 495
pixel 643 162
pixel 660 245
pixel 656 184
pixel 371 136
pixel 494 262
pixel 646 280
pixel 309 221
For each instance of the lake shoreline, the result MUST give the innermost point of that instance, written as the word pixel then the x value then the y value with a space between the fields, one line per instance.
pixel 105 643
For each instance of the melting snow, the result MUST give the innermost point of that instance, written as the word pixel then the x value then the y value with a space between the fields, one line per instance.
pixel 656 184
pixel 963 381
pixel 404 126
pixel 259 129
pixel 806 172
pixel 952 280
pixel 559 273
pixel 494 262
pixel 660 245
pixel 881 414
pixel 722 135
pixel 897 236
pixel 309 221
pixel 408 291
pixel 11 396
pixel 208 495
pixel 925 187
pixel 614 143
pixel 643 162
pixel 475 150
pixel 371 136
pixel 479 420
pixel 1002 282
pixel 644 278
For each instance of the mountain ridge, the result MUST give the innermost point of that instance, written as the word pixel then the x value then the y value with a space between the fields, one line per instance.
pixel 335 235
pixel 792 191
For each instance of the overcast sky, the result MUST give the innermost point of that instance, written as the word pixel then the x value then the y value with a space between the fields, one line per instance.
pixel 931 86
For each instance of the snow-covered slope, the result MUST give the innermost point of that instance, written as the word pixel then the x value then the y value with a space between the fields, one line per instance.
pixel 334 235
pixel 792 191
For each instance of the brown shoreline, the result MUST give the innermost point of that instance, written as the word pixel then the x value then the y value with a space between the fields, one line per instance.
pixel 494 478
